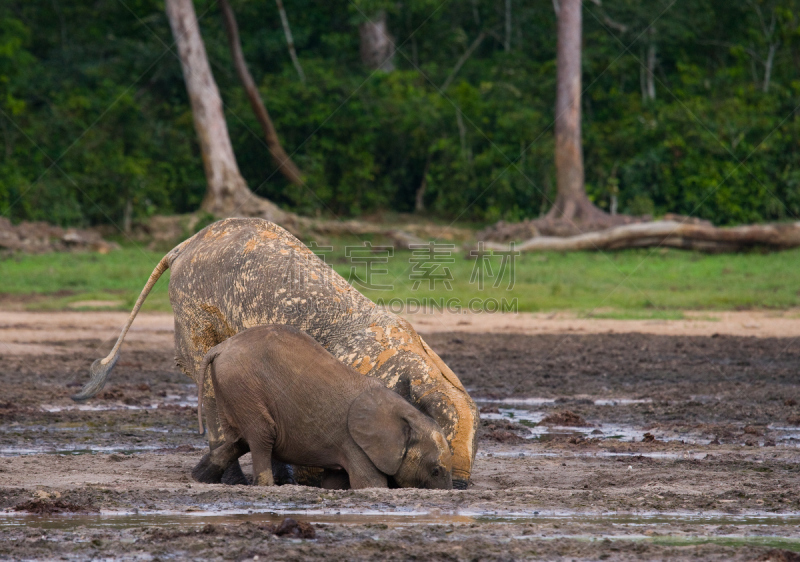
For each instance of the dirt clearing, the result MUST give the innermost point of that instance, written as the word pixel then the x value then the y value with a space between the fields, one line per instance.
pixel 653 446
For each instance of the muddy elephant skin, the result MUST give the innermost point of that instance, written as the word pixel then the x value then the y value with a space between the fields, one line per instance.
pixel 290 400
pixel 241 273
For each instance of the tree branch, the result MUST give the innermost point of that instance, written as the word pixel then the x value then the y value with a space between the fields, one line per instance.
pixel 283 161
pixel 290 41
pixel 468 53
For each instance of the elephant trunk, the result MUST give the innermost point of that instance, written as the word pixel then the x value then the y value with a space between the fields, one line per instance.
pixel 448 403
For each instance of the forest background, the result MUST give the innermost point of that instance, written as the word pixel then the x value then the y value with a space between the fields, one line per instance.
pixel 97 127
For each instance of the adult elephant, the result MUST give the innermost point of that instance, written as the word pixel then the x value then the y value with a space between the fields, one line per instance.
pixel 240 273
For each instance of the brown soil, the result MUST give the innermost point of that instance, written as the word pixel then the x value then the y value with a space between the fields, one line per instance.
pixel 565 418
pixel 717 408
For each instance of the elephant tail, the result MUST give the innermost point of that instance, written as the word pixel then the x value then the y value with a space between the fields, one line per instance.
pixel 201 384
pixel 102 367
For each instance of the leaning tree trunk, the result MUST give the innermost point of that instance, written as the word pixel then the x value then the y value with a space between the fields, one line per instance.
pixel 227 192
pixel 284 162
pixel 571 203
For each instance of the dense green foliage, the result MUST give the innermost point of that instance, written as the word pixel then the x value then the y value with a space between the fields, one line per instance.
pixel 629 284
pixel 95 118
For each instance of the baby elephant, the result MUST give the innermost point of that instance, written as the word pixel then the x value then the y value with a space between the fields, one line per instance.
pixel 287 398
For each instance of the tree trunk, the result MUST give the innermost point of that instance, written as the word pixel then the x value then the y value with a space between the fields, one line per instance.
pixel 667 234
pixel 227 192
pixel 287 31
pixel 651 64
pixel 284 162
pixel 419 203
pixel 768 66
pixel 571 204
pixel 377 44
pixel 507 39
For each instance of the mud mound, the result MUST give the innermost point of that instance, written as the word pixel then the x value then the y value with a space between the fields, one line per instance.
pixel 565 418
pixel 45 507
pixel 297 529
pixel 502 431
pixel 40 237
pixel 777 555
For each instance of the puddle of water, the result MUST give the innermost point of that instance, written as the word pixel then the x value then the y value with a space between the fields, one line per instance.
pixel 169 400
pixel 543 401
pixel 39 430
pixel 516 401
pixel 77 450
pixel 532 419
pixel 622 401
pixel 116 520
pixel 599 454
pixel 789 436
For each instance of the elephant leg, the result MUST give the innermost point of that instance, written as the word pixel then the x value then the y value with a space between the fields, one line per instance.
pixel 363 474
pixel 234 476
pixel 374 479
pixel 226 457
pixel 221 464
pixel 211 468
pixel 261 437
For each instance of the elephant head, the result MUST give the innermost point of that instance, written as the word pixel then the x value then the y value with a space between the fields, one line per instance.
pixel 401 441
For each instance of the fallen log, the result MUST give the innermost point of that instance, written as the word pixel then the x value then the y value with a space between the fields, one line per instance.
pixel 667 234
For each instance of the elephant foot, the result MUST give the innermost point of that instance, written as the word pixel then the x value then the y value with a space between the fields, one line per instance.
pixel 282 473
pixel 233 475
pixel 207 472
pixel 460 484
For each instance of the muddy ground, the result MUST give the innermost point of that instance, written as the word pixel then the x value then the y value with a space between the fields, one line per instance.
pixel 621 446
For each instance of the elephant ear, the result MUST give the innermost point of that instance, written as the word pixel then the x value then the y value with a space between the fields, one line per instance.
pixel 377 425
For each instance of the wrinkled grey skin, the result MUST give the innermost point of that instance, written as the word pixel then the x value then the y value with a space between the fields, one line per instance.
pixel 240 273
pixel 290 400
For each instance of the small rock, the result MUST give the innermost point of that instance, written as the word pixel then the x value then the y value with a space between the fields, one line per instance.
pixel 754 430
pixel 297 529
pixel 648 438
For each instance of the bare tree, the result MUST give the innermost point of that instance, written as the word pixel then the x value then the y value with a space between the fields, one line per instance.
pixel 377 44
pixel 507 39
pixel 284 162
pixel 647 70
pixel 290 41
pixel 770 38
pixel 226 191
pixel 571 201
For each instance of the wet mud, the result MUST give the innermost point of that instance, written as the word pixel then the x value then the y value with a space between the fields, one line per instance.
pixel 605 446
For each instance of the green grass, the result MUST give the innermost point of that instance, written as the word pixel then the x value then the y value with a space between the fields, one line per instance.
pixel 628 284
